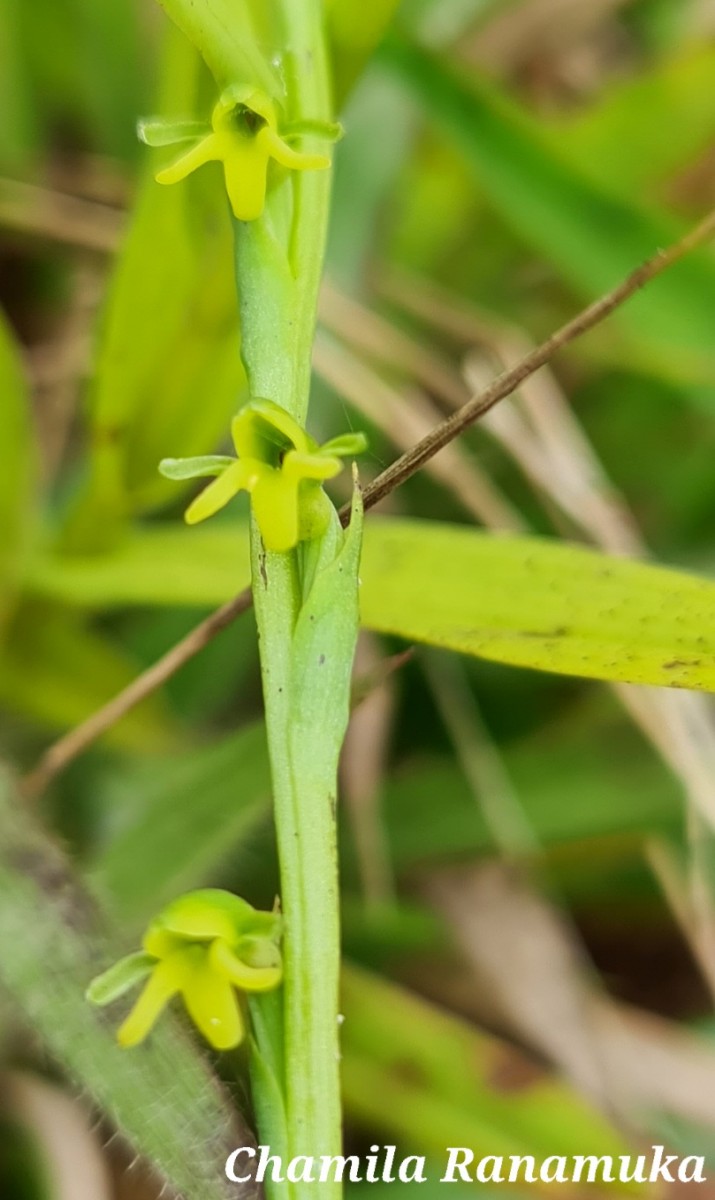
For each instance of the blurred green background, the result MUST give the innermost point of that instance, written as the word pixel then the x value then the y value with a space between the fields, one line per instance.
pixel 527 882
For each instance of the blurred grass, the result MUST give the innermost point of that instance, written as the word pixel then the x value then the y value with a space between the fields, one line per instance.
pixel 522 183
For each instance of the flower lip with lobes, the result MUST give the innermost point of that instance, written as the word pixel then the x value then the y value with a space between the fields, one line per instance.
pixel 279 465
pixel 244 137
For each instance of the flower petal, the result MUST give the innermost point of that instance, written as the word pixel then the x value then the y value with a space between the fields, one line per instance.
pixel 213 1007
pixel 158 131
pixel 275 507
pixel 330 131
pixel 207 150
pixel 245 167
pixel 194 468
pixel 346 445
pixel 310 466
pixel 166 980
pixel 261 421
pixel 250 979
pixel 112 984
pixel 217 494
pixel 202 915
pixel 295 160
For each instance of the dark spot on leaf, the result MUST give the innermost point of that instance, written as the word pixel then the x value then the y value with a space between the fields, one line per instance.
pixel 558 632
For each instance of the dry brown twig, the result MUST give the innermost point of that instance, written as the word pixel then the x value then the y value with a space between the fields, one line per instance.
pixel 405 417
pixel 509 380
pixel 74 743
pixel 62 752
pixel 55 216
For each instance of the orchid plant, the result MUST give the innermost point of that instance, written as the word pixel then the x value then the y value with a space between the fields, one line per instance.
pixel 207 945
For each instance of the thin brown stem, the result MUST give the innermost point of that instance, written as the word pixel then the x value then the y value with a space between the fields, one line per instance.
pixel 506 383
pixel 65 749
pixel 60 217
pixel 61 753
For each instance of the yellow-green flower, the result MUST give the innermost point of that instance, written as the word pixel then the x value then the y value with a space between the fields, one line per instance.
pixel 202 947
pixel 282 468
pixel 244 136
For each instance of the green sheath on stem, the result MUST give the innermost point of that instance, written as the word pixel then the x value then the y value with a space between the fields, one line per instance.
pixel 307 688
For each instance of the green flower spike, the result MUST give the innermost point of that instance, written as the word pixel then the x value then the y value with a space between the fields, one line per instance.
pixel 280 465
pixel 202 947
pixel 243 135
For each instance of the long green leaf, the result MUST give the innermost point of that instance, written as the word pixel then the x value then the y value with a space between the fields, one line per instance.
pixel 168 374
pixel 57 671
pixel 529 602
pixel 590 236
pixel 538 603
pixel 158 565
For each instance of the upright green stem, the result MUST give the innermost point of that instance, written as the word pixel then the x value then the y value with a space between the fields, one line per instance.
pixel 304 814
pixel 279 258
pixel 279 263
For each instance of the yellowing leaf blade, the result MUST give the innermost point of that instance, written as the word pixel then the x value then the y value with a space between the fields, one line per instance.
pixel 535 603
